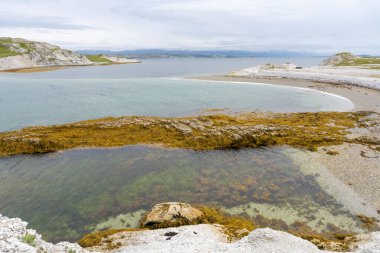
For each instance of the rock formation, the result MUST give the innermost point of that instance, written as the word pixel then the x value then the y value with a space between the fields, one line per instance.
pixel 337 59
pixel 18 53
pixel 171 214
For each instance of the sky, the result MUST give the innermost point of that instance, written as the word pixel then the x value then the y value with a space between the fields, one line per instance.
pixel 319 26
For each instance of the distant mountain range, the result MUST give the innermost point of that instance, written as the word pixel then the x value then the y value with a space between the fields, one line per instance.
pixel 162 53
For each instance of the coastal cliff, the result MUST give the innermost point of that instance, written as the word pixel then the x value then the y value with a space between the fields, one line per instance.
pixel 16 53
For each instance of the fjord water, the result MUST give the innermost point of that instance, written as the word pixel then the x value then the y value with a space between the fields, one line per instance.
pixel 66 194
pixel 63 96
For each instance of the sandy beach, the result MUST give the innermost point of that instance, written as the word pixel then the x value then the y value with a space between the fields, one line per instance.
pixel 356 165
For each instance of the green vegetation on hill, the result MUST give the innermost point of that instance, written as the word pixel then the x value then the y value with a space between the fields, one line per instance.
pixel 5 50
pixel 98 58
pixel 348 59
pixel 359 61
pixel 9 47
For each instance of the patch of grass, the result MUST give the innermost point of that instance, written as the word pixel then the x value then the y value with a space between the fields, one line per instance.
pixel 29 239
pixel 302 130
pixel 5 51
pixel 364 61
pixel 98 58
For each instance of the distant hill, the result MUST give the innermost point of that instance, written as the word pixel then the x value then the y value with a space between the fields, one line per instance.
pixel 346 59
pixel 162 53
pixel 16 53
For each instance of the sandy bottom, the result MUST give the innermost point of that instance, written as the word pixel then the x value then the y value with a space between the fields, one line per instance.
pixel 357 166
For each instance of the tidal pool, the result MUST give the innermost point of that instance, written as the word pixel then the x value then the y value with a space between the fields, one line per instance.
pixel 46 101
pixel 64 195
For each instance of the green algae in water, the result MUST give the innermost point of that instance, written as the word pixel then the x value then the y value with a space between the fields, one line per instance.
pixel 67 194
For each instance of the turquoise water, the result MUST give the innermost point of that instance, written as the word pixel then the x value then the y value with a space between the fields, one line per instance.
pixel 29 102
pixel 64 195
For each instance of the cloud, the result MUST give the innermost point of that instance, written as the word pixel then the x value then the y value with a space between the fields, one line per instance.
pixel 313 25
pixel 44 22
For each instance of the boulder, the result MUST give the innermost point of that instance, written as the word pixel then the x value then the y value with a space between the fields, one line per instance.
pixel 171 214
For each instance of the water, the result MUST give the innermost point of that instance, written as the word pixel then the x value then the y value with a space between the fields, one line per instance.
pixel 45 101
pixel 168 67
pixel 66 194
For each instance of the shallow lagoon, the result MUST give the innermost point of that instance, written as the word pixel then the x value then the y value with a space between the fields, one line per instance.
pixel 66 194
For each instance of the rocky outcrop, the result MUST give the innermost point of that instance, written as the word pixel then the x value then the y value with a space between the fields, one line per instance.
pixel 352 75
pixel 21 53
pixel 171 214
pixel 337 59
pixel 260 68
pixel 16 238
pixel 30 54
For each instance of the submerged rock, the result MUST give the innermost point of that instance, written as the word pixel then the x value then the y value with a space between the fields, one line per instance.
pixel 171 214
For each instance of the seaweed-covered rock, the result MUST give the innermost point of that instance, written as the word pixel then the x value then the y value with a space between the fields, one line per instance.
pixel 171 214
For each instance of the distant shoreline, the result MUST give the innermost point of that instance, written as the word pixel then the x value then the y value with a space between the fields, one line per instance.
pixel 364 98
pixel 56 67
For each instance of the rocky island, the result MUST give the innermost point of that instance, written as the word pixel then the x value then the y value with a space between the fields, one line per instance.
pixel 23 55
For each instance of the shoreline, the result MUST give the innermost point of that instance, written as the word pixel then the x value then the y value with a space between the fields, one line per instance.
pixel 348 162
pixel 364 99
pixel 57 67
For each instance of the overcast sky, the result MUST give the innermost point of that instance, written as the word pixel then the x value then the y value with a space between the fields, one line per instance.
pixel 322 26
